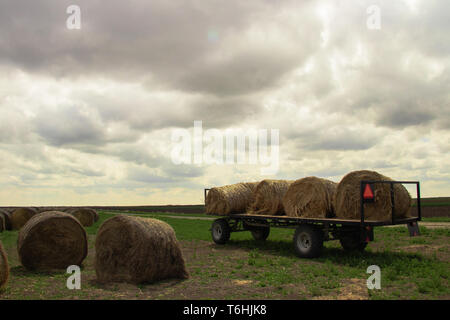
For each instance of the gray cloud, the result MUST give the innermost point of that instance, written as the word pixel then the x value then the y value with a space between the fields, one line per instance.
pixel 247 72
pixel 149 111
pixel 154 40
pixel 399 117
pixel 68 125
pixel 14 126
pixel 143 175
pixel 338 139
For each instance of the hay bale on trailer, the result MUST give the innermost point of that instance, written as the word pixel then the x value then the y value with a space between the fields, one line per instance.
pixel 136 250
pixel 21 216
pixel 86 216
pixel 4 267
pixel 268 197
pixel 310 197
pixel 6 217
pixel 52 240
pixel 347 202
pixel 235 198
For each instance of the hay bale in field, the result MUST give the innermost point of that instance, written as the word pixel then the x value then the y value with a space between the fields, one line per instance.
pixel 20 217
pixel 2 222
pixel 235 198
pixel 4 267
pixel 45 209
pixel 86 216
pixel 52 240
pixel 310 197
pixel 347 197
pixel 4 219
pixel 136 250
pixel 95 213
pixel 6 216
pixel 268 197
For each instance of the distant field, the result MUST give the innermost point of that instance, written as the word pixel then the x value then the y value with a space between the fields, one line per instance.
pixel 433 202
pixel 188 209
pixel 160 208
pixel 431 207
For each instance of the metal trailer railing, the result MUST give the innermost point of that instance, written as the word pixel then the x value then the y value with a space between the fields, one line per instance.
pixel 354 234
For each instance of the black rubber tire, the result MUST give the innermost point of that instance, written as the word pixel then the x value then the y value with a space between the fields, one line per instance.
pixel 261 233
pixel 352 242
pixel 308 241
pixel 220 231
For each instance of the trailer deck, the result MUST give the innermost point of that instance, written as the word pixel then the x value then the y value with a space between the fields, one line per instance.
pixel 331 221
pixel 310 233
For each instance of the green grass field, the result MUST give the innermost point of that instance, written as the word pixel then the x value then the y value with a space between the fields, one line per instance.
pixel 411 268
pixel 433 202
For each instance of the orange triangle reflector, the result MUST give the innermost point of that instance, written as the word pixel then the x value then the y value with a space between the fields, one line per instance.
pixel 368 193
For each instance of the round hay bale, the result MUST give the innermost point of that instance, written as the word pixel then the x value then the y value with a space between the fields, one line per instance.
pixel 310 197
pixel 20 217
pixel 3 220
pixel 4 267
pixel 46 209
pixel 52 240
pixel 268 197
pixel 2 223
pixel 228 199
pixel 10 210
pixel 95 214
pixel 347 202
pixel 84 215
pixel 6 216
pixel 136 250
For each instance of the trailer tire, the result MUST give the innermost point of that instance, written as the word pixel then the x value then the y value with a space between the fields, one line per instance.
pixel 261 233
pixel 220 231
pixel 352 242
pixel 308 241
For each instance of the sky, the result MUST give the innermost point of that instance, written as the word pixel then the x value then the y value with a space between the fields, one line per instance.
pixel 87 115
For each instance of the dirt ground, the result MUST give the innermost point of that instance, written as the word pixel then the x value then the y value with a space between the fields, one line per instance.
pixel 207 264
pixel 206 256
pixel 219 272
pixel 202 258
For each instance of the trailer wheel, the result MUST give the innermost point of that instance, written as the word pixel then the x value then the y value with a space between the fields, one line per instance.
pixel 261 233
pixel 352 242
pixel 220 231
pixel 308 241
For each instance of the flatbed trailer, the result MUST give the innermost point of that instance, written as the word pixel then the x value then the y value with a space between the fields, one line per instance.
pixel 310 233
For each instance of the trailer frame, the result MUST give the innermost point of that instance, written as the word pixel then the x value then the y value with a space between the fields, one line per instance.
pixel 354 234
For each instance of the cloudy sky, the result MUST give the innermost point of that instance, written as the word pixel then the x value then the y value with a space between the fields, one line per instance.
pixel 86 115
